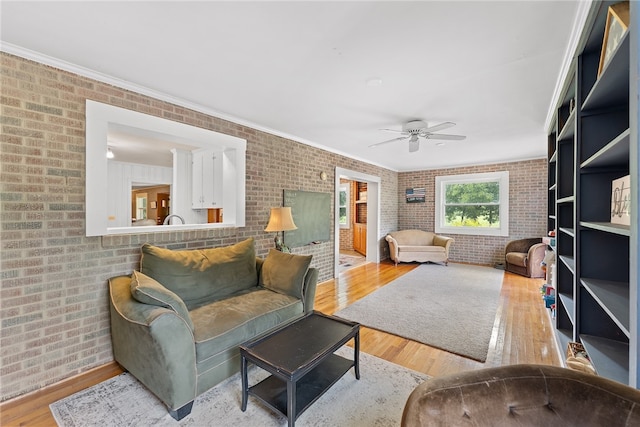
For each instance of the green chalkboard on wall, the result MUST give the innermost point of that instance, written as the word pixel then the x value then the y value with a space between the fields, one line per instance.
pixel 311 212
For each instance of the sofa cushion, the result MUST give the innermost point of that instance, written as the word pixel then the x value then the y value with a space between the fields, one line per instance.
pixel 434 249
pixel 231 321
pixel 148 291
pixel 284 273
pixel 413 237
pixel 201 275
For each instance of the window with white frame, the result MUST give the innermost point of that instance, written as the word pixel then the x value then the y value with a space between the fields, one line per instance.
pixel 345 199
pixel 473 204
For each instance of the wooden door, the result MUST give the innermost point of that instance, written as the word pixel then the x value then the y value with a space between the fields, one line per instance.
pixel 360 238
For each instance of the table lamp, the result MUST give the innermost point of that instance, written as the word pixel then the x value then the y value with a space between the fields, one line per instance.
pixel 280 219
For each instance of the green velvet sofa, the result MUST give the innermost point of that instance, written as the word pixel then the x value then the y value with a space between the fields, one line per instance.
pixel 177 323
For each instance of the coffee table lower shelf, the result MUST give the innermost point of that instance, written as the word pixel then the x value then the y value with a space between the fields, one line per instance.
pixel 273 390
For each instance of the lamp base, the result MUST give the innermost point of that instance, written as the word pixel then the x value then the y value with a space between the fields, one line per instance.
pixel 280 245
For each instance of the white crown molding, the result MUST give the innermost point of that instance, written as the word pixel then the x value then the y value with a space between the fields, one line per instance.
pixel 473 164
pixel 584 6
pixel 123 84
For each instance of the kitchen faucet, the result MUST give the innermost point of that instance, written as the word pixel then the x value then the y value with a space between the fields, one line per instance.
pixel 168 218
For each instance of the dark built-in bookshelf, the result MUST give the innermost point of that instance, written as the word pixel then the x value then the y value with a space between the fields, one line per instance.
pixel 592 141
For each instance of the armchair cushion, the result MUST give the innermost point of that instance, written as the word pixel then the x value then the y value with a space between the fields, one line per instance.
pixel 284 273
pixel 517 258
pixel 148 291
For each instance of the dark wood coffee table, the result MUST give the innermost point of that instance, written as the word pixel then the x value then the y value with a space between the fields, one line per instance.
pixel 300 358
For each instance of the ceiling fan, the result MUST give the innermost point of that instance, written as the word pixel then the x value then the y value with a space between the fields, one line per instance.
pixel 416 129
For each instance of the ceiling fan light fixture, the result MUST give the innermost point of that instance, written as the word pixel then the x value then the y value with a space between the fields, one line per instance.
pixel 414 144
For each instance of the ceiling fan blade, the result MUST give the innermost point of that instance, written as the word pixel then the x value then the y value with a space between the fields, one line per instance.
pixel 388 141
pixel 445 136
pixel 414 145
pixel 441 126
pixel 396 131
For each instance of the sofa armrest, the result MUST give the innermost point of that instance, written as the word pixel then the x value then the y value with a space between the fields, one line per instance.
pixel 393 247
pixel 309 289
pixel 154 344
pixel 443 241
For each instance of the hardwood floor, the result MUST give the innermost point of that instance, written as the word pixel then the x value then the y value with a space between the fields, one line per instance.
pixel 33 409
pixel 522 333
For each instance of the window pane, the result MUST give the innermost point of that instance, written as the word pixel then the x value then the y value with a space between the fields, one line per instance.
pixel 343 207
pixel 343 216
pixel 472 216
pixel 343 198
pixel 478 192
pixel 475 204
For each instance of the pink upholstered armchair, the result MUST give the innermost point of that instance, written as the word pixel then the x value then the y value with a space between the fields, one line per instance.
pixel 524 257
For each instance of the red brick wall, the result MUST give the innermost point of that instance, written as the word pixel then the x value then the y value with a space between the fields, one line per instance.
pixel 54 312
pixel 527 208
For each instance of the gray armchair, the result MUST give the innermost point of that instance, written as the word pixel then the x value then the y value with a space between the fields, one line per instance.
pixel 524 257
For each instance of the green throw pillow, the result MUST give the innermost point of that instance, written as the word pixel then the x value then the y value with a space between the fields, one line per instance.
pixel 284 273
pixel 146 290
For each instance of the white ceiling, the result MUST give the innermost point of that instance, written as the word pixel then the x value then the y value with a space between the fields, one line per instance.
pixel 299 69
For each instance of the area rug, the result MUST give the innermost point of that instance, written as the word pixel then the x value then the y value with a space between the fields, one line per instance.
pixel 349 260
pixel 377 399
pixel 449 307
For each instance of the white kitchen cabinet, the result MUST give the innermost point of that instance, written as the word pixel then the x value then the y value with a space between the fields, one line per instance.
pixel 207 188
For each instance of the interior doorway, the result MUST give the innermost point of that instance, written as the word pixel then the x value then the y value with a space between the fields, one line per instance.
pixel 353 224
pixel 349 259
pixel 368 202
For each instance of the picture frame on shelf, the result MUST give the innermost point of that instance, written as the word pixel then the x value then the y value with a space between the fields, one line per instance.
pixel 616 26
pixel 621 200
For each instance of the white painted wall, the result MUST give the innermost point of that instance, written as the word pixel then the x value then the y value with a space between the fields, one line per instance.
pixel 121 176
